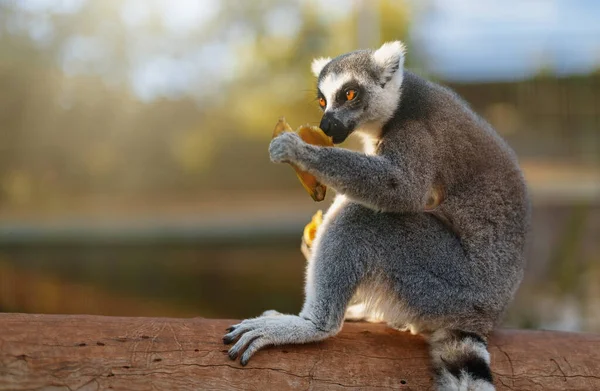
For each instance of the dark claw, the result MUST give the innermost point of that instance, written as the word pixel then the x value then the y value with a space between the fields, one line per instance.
pixel 233 355
pixel 227 340
pixel 230 329
pixel 244 361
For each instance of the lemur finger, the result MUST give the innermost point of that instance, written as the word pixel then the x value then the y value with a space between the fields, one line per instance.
pixel 252 348
pixel 240 345
pixel 236 331
pixel 240 328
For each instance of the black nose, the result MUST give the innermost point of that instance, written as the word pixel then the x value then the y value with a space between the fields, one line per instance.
pixel 330 125
pixel 334 128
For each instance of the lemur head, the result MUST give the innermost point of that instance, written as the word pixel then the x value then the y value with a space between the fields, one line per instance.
pixel 359 89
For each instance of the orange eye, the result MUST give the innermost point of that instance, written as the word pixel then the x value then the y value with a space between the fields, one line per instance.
pixel 322 102
pixel 350 94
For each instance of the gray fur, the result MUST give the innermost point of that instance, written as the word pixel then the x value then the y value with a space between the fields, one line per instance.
pixel 445 273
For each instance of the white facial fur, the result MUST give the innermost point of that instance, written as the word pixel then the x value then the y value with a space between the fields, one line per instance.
pixel 331 84
pixel 385 94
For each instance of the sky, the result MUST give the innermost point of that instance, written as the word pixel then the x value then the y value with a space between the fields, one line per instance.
pixel 468 40
pixel 503 40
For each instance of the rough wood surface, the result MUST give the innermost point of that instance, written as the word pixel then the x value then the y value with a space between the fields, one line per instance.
pixel 52 352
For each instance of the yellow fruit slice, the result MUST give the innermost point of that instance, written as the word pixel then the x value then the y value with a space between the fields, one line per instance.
pixel 282 126
pixel 311 135
pixel 314 135
pixel 311 228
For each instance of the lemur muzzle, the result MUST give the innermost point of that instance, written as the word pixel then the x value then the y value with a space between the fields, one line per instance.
pixel 334 128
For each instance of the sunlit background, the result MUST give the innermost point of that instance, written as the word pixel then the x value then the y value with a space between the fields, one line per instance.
pixel 134 173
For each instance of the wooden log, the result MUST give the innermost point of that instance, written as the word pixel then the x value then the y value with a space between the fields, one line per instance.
pixel 67 353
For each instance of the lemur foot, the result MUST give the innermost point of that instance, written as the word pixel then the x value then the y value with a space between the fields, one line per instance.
pixel 256 333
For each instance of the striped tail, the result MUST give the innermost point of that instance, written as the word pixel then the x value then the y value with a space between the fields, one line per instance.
pixel 461 361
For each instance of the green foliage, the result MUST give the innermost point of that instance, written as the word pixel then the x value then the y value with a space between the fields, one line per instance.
pixel 74 125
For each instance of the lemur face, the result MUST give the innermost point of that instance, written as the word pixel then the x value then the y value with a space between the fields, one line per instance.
pixel 344 99
pixel 358 88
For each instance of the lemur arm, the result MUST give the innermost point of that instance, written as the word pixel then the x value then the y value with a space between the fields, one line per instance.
pixel 331 281
pixel 376 181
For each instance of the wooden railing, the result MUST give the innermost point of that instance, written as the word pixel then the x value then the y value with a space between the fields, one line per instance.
pixel 55 352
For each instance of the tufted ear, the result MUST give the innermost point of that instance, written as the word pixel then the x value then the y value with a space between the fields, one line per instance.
pixel 318 64
pixel 390 56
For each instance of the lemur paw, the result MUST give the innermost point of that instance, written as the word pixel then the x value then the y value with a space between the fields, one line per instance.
pixel 256 333
pixel 284 147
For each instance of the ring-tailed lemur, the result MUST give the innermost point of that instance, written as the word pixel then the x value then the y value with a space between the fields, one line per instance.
pixel 446 270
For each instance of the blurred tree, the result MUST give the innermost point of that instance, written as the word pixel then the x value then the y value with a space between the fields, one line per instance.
pixel 75 124
pixel 117 98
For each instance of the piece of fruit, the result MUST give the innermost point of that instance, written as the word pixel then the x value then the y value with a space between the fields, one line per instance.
pixel 310 230
pixel 311 135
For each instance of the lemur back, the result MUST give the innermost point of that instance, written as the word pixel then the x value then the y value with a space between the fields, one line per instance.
pixel 485 199
pixel 447 270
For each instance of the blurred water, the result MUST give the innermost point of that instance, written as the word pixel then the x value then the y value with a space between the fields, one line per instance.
pixel 242 278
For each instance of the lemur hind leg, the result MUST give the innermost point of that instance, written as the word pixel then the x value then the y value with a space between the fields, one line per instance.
pixel 428 270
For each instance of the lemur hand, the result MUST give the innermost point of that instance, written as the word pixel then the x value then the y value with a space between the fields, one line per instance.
pixel 284 148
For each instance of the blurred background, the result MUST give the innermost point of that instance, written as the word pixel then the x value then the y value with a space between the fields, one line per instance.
pixel 134 172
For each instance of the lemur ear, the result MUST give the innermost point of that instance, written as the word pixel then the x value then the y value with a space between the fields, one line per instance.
pixel 390 56
pixel 318 64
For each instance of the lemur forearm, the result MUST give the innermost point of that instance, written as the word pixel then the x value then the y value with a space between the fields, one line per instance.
pixel 370 179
